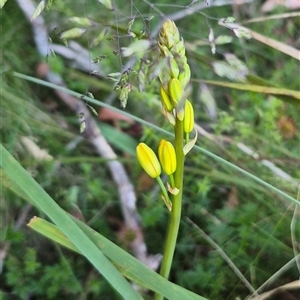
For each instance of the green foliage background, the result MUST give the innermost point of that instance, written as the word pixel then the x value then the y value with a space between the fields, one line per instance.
pixel 249 223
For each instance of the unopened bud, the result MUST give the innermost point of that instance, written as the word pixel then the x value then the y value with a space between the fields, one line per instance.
pixel 175 90
pixel 148 160
pixel 188 121
pixel 185 76
pixel 167 157
pixel 167 103
pixel 174 68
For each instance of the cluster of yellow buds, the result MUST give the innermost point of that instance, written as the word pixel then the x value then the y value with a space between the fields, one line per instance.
pixel 176 74
pixel 152 165
pixel 174 79
pixel 149 161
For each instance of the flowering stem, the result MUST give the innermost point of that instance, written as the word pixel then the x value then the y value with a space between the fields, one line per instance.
pixel 165 193
pixel 172 183
pixel 175 214
pixel 187 137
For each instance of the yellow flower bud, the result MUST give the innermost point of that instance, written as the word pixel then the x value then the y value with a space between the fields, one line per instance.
pixel 175 90
pixel 148 160
pixel 188 121
pixel 167 157
pixel 166 100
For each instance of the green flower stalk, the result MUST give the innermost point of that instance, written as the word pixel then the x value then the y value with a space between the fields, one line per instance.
pixel 179 112
pixel 148 160
pixel 174 79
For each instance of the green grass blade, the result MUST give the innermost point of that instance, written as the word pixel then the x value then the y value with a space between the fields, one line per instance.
pixel 119 139
pixel 127 264
pixel 17 174
pixel 197 148
pixel 51 231
pixel 283 94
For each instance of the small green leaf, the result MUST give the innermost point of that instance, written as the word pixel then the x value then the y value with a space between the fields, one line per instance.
pixel 107 3
pixel 98 59
pixel 124 78
pixel 92 109
pixel 120 140
pixel 82 126
pixel 242 33
pixel 227 20
pixel 130 23
pixel 88 94
pixel 117 88
pixel 223 39
pixel 85 22
pixel 211 39
pixel 236 63
pixel 123 97
pixel 114 76
pixel 52 232
pixel 149 18
pixel 65 41
pixel 49 4
pixel 2 2
pixel 138 47
pixel 98 39
pixel 41 6
pixel 233 69
pixel 224 69
pixel 141 34
pixel 132 34
pixel 52 52
pixel 188 147
pixel 111 38
pixel 73 33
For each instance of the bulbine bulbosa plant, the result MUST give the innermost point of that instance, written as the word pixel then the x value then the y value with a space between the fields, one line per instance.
pixel 178 110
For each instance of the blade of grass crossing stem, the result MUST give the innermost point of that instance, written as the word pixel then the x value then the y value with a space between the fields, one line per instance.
pixel 51 231
pixel 159 129
pixel 13 170
pixel 127 264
